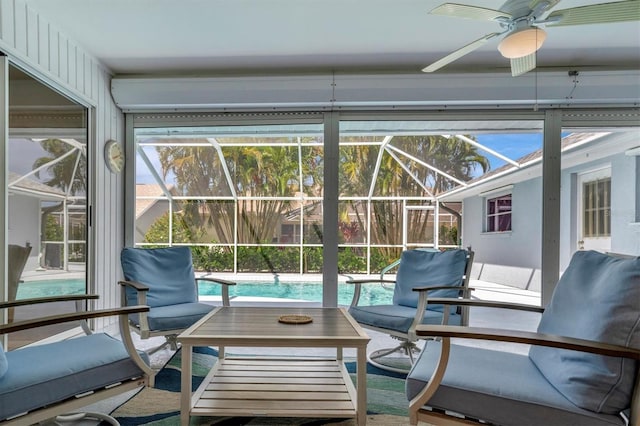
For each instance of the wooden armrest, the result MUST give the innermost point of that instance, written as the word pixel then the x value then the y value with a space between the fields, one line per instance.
pixel 135 285
pixel 48 299
pixel 372 280
pixel 527 337
pixel 485 303
pixel 68 317
pixel 216 280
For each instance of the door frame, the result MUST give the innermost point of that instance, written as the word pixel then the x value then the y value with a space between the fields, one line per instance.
pixel 593 243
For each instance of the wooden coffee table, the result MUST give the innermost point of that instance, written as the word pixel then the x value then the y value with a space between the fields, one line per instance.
pixel 285 386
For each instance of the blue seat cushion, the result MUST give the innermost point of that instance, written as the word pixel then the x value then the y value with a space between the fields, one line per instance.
pixel 499 387
pixel 419 268
pixel 397 318
pixel 597 298
pixel 4 364
pixel 167 271
pixel 50 373
pixel 174 317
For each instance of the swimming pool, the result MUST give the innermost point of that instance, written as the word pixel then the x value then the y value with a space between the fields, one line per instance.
pixel 307 291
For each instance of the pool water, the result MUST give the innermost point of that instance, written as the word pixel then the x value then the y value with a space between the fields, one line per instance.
pixel 44 288
pixel 307 291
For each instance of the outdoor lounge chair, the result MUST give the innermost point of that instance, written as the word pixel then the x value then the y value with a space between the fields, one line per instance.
pixel 164 279
pixel 41 382
pixel 422 274
pixel 582 368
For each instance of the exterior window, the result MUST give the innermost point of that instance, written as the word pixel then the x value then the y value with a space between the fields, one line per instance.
pixel 289 234
pixel 597 208
pixel 499 214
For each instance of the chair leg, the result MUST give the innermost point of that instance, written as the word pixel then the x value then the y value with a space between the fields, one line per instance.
pixel 171 341
pixel 75 417
pixel 407 348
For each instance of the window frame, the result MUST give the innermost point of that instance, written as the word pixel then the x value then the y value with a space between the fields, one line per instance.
pixel 494 218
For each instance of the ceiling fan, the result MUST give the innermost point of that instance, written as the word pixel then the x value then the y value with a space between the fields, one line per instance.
pixel 520 20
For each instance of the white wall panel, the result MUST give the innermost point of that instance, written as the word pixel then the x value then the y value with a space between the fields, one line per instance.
pixel 32 42
pixel 20 24
pixel 43 44
pixel 32 35
pixel 54 50
pixel 6 22
pixel 63 58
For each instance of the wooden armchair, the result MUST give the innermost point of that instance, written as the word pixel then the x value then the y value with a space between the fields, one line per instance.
pixel 41 382
pixel 582 368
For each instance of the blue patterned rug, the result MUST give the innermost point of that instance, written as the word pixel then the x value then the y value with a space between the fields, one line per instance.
pixel 387 404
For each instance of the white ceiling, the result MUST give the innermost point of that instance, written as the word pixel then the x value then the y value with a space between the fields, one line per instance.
pixel 269 36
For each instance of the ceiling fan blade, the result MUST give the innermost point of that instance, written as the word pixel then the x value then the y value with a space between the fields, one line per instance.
pixel 538 7
pixel 459 53
pixel 628 10
pixel 523 65
pixel 469 12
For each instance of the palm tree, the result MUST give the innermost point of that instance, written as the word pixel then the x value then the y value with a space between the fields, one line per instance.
pixel 63 173
pixel 65 170
pixel 455 158
pixel 255 172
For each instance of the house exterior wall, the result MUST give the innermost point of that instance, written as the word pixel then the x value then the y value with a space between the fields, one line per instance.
pixel 145 220
pixel 626 196
pixel 514 258
pixel 24 212
pixel 625 231
pixel 511 258
pixel 30 40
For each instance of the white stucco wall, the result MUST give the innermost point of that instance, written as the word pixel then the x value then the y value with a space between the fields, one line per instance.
pixel 511 258
pixel 514 258
pixel 625 233
pixel 24 213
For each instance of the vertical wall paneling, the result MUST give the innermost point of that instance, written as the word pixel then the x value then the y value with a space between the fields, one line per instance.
pixel 54 51
pixel 63 57
pixel 6 22
pixel 32 35
pixel 73 64
pixel 130 182
pixel 20 23
pixel 35 43
pixel 88 83
pixel 94 74
pixel 43 44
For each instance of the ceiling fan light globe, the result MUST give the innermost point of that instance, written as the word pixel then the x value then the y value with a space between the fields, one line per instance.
pixel 522 42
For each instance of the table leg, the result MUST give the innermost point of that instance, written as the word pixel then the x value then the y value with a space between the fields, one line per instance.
pixel 185 391
pixel 361 383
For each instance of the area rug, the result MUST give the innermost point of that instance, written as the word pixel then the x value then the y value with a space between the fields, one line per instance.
pixel 387 404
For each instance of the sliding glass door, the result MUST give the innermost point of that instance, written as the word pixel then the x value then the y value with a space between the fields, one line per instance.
pixel 47 199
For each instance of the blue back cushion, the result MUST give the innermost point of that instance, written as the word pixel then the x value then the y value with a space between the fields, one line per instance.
pixel 420 268
pixel 167 271
pixel 4 365
pixel 597 298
